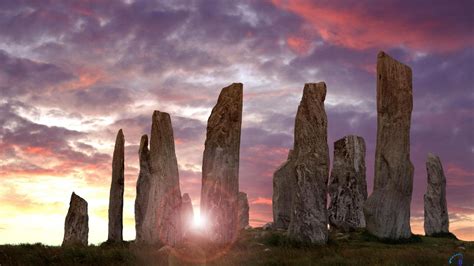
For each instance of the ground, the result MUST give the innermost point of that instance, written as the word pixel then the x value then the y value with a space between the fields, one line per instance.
pixel 254 247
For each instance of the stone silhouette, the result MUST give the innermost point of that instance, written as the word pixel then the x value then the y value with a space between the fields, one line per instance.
pixel 243 210
pixel 162 218
pixel 143 187
pixel 76 226
pixel 220 169
pixel 284 180
pixel 347 185
pixel 187 212
pixel 387 210
pixel 436 211
pixel 308 222
pixel 116 190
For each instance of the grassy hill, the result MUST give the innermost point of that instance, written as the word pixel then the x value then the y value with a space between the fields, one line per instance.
pixel 254 247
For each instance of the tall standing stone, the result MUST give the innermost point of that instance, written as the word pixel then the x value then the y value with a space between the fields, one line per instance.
pixel 284 180
pixel 308 221
pixel 162 220
pixel 387 210
pixel 347 184
pixel 436 210
pixel 243 210
pixel 220 169
pixel 143 187
pixel 187 213
pixel 116 190
pixel 76 226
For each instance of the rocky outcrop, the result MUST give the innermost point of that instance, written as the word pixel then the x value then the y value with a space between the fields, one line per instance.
pixel 162 219
pixel 283 183
pixel 76 226
pixel 243 210
pixel 220 169
pixel 436 211
pixel 143 187
pixel 187 212
pixel 387 210
pixel 308 222
pixel 347 184
pixel 116 190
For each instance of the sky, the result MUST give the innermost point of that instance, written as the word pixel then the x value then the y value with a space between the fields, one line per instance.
pixel 72 73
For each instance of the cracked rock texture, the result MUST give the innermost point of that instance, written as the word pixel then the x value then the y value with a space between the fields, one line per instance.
pixel 220 169
pixel 308 222
pixel 243 210
pixel 347 184
pixel 283 183
pixel 387 210
pixel 76 226
pixel 116 190
pixel 436 211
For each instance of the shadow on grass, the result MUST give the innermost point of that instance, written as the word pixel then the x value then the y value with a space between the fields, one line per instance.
pixel 366 236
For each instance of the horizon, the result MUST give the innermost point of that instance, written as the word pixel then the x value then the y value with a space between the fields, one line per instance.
pixel 74 73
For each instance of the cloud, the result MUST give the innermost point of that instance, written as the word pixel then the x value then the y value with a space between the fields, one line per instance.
pixel 359 25
pixel 29 145
pixel 260 200
pixel 21 75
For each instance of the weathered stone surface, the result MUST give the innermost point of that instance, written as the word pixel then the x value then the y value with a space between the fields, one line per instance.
pixel 143 187
pixel 76 226
pixel 387 210
pixel 116 190
pixel 243 210
pixel 308 222
pixel 187 212
pixel 162 219
pixel 436 210
pixel 347 184
pixel 284 180
pixel 220 169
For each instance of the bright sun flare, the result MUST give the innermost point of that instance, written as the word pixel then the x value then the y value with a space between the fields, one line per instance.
pixel 198 221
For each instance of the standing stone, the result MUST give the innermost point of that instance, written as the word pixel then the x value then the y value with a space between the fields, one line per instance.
pixel 284 180
pixel 116 190
pixel 308 221
pixel 76 226
pixel 220 169
pixel 436 210
pixel 162 220
pixel 187 212
pixel 243 210
pixel 347 184
pixel 143 187
pixel 387 210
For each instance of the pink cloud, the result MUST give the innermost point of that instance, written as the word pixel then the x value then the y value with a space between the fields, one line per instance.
pixel 358 29
pixel 261 200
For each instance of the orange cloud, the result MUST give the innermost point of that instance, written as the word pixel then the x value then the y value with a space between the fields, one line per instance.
pixel 355 28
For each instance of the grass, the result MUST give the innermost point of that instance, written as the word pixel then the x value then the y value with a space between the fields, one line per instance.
pixel 254 247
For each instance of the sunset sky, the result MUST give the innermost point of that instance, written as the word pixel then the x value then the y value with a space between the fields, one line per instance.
pixel 72 73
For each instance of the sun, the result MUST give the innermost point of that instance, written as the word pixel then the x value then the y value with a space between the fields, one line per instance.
pixel 199 222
